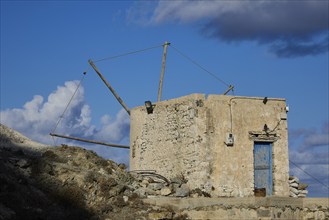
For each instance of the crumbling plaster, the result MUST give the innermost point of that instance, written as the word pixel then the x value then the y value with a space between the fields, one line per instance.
pixel 186 136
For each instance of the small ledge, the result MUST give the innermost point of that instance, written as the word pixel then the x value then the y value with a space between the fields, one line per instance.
pixel 263 136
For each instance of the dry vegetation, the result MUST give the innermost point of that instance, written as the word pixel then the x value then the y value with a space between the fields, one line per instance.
pixel 66 182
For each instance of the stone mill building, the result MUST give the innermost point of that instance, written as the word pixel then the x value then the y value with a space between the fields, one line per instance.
pixel 227 146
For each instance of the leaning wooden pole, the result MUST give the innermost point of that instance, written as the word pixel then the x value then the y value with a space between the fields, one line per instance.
pixel 109 86
pixel 166 44
pixel 89 141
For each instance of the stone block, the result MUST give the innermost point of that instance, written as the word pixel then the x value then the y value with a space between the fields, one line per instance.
pixel 293 195
pixel 294 190
pixel 293 179
pixel 155 186
pixel 303 191
pixel 294 184
pixel 166 191
pixel 263 213
pixel 183 191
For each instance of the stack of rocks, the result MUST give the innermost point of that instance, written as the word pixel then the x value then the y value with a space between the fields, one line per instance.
pixel 149 184
pixel 297 189
pixel 156 185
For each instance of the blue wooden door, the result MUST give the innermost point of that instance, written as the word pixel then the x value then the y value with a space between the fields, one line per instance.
pixel 263 166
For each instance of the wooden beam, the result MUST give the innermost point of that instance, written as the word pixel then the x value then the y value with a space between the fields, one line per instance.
pixel 90 141
pixel 109 86
pixel 166 44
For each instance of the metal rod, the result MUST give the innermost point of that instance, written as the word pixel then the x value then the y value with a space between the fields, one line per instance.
pixel 162 69
pixel 109 86
pixel 90 141
pixel 229 89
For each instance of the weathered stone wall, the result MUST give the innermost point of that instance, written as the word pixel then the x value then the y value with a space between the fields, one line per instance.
pixel 233 167
pixel 247 208
pixel 170 140
pixel 186 136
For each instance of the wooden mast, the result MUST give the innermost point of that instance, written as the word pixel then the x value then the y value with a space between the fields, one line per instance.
pixel 166 44
pixel 109 86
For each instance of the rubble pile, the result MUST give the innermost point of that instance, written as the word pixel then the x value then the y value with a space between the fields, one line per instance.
pixel 150 184
pixel 297 189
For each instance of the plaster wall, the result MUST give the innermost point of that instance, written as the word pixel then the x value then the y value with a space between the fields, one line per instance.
pixel 186 137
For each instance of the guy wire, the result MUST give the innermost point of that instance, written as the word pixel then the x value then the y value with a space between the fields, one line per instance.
pixel 128 53
pixel 309 174
pixel 201 67
pixel 62 115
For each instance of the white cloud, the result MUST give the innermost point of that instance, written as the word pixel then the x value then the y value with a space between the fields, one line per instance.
pixel 37 118
pixel 114 130
pixel 158 12
pixel 190 11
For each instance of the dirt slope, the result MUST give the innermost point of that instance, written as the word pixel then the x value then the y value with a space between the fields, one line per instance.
pixel 65 182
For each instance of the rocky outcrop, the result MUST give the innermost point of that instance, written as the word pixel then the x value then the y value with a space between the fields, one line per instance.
pixel 67 182
pixel 9 138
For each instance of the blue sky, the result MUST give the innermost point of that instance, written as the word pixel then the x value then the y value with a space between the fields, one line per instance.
pixel 263 48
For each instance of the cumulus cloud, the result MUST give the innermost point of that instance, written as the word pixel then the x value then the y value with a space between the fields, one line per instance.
pixel 290 28
pixel 38 117
pixel 114 130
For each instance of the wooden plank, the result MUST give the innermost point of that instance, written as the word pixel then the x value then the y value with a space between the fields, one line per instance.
pixel 109 86
pixel 90 141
